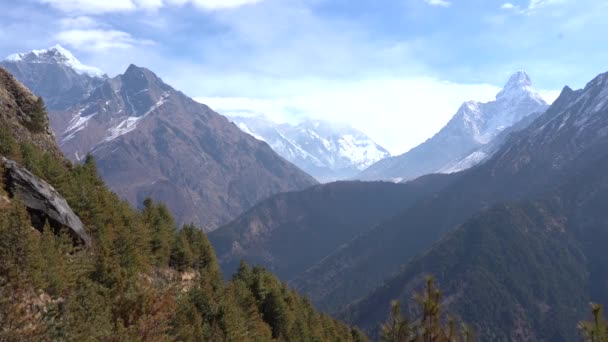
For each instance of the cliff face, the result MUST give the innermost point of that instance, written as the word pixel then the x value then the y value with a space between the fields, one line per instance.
pixel 23 119
pixel 19 111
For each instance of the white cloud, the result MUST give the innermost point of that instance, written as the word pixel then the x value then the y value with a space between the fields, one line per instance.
pixel 536 4
pixel 442 3
pixel 549 95
pixel 98 39
pixel 532 7
pixel 397 113
pixel 214 4
pixel 106 6
pixel 91 6
pixel 87 34
pixel 78 22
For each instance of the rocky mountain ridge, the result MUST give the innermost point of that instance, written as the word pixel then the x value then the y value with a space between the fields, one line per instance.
pixel 151 140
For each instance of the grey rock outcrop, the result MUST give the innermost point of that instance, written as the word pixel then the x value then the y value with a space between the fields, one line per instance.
pixel 42 201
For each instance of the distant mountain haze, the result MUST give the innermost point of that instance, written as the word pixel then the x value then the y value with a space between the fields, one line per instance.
pixel 151 140
pixel 460 143
pixel 327 151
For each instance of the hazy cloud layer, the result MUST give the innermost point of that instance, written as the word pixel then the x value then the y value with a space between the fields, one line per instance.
pixel 105 6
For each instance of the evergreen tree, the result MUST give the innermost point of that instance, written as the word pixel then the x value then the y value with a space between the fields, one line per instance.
pixel 429 326
pixel 55 269
pixel 142 279
pixel 596 330
pixel 159 220
pixel 8 144
pixel 38 119
pixel 396 329
pixel 187 325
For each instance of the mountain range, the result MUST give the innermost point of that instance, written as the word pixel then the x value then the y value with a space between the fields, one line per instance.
pixel 505 206
pixel 327 151
pixel 515 241
pixel 150 140
pixel 462 142
pixel 79 264
pixel 538 256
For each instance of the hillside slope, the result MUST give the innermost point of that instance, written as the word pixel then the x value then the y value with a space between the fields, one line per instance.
pixel 139 278
pixel 520 271
pixel 290 232
pixel 565 139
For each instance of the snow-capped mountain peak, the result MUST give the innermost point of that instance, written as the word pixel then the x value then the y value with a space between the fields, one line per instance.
pixel 519 78
pixel 328 151
pixel 55 55
pixel 460 144
pixel 519 86
pixel 483 121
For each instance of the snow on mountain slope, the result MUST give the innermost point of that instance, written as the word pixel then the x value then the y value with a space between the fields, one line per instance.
pixel 457 146
pixel 150 140
pixel 488 150
pixel 327 151
pixel 56 54
pixel 59 78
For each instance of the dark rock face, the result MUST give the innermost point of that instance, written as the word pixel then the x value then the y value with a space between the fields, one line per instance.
pixel 42 201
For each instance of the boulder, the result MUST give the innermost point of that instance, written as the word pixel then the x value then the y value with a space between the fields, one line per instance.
pixel 42 201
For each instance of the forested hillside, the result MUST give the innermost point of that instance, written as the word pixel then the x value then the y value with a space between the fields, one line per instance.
pixel 291 232
pixel 141 279
pixel 525 269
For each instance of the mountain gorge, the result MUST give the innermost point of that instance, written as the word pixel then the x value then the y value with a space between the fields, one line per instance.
pixel 460 144
pixel 325 150
pixel 151 140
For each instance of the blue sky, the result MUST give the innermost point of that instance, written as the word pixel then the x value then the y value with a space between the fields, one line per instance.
pixel 396 69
